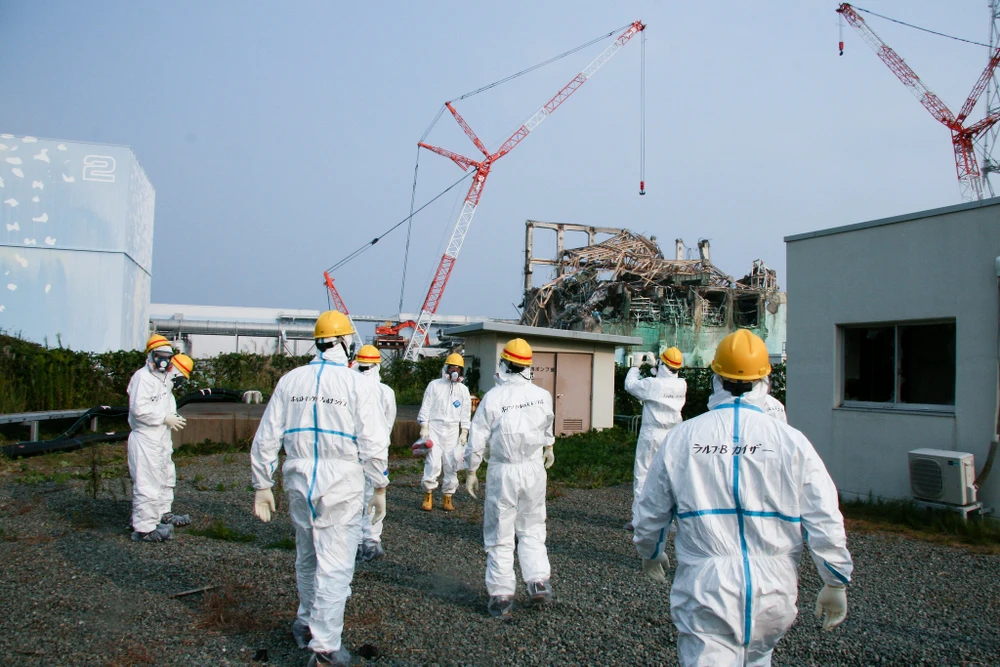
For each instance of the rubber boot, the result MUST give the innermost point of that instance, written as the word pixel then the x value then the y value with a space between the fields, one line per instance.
pixel 448 505
pixel 428 502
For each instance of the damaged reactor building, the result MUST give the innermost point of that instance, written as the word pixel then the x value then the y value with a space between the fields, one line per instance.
pixel 624 285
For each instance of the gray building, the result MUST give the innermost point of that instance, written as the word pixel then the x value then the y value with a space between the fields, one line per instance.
pixel 893 343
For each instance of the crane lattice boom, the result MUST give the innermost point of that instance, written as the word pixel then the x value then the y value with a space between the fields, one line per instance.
pixel 962 137
pixel 447 263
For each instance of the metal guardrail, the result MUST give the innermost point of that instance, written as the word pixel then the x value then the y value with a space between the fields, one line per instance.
pixel 630 422
pixel 32 419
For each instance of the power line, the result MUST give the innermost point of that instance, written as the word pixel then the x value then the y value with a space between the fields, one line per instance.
pixel 916 27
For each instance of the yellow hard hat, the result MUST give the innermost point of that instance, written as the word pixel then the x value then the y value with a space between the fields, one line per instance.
pixel 672 357
pixel 156 341
pixel 517 352
pixel 184 365
pixel 331 324
pixel 368 355
pixel 741 355
pixel 455 359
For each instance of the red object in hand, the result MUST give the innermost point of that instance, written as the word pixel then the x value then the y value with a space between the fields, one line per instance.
pixel 422 446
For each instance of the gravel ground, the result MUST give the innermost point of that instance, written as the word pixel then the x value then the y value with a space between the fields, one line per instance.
pixel 77 591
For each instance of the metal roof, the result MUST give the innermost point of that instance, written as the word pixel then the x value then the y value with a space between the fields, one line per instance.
pixel 930 213
pixel 542 332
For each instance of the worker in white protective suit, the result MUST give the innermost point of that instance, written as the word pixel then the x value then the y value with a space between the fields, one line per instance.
pixel 745 489
pixel 368 362
pixel 515 420
pixel 330 423
pixel 444 419
pixel 152 414
pixel 772 406
pixel 179 372
pixel 663 395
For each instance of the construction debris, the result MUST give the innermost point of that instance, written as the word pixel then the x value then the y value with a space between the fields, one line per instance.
pixel 624 283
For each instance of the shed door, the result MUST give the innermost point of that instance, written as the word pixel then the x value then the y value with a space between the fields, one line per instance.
pixel 543 369
pixel 573 392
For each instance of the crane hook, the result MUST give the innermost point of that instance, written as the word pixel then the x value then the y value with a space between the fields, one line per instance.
pixel 642 187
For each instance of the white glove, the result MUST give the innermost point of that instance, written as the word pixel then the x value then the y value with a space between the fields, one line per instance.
pixel 175 422
pixel 472 483
pixel 377 505
pixel 548 457
pixel 832 601
pixel 263 504
pixel 463 437
pixel 654 568
pixel 425 431
pixel 637 359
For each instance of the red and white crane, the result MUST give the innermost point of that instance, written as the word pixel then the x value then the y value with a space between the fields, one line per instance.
pixel 962 136
pixel 483 167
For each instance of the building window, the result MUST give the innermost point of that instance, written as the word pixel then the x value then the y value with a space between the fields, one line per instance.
pixel 899 365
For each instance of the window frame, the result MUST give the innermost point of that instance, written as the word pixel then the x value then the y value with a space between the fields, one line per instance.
pixel 894 406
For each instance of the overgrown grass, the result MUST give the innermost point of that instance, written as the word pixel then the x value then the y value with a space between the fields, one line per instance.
pixel 286 543
pixel 906 517
pixel 218 530
pixel 594 459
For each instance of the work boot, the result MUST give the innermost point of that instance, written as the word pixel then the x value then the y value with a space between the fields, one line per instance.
pixel 448 505
pixel 501 605
pixel 540 591
pixel 370 550
pixel 339 658
pixel 178 520
pixel 301 633
pixel 428 502
pixel 162 533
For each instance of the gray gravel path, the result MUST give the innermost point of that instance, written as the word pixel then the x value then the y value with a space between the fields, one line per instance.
pixel 76 591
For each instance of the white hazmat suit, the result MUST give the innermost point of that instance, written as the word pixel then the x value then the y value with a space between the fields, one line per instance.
pixel 150 403
pixel 663 396
pixel 515 419
pixel 745 489
pixel 445 410
pixel 387 401
pixel 330 423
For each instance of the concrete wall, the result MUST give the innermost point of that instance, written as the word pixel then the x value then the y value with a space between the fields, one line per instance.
pixel 488 346
pixel 938 264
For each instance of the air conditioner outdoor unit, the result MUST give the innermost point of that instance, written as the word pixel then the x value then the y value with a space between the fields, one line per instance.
pixel 943 476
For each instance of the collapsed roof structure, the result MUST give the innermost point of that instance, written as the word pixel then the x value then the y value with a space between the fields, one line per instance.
pixel 625 285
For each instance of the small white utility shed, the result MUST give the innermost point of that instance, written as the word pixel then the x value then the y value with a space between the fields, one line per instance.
pixel 576 367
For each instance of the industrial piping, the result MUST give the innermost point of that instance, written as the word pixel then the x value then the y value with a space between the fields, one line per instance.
pixel 290 330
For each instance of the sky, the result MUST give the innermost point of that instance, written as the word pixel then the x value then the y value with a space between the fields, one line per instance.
pixel 281 137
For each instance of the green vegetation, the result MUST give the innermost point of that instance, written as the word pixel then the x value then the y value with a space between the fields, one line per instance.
pixel 286 543
pixel 218 530
pixel 409 379
pixel 594 459
pixel 905 516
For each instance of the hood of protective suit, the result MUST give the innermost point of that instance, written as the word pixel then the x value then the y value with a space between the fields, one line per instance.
pixel 373 371
pixel 335 354
pixel 663 371
pixel 756 396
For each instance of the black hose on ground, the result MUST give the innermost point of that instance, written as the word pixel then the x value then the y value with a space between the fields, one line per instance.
pixel 67 441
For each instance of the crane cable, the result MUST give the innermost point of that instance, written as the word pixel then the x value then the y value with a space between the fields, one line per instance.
pixel 642 115
pixel 916 27
pixel 398 224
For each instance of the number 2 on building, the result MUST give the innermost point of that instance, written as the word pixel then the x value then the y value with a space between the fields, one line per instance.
pixel 99 168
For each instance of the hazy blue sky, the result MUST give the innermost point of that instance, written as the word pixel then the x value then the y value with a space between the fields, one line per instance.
pixel 281 136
